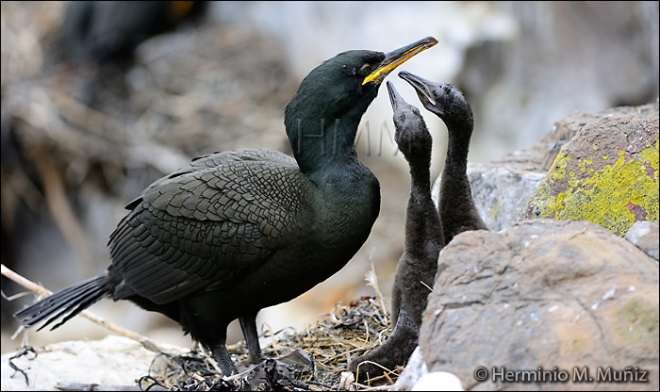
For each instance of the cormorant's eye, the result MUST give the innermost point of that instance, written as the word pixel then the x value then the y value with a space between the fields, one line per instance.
pixel 365 69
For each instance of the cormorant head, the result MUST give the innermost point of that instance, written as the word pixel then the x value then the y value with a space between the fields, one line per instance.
pixel 343 87
pixel 445 100
pixel 334 88
pixel 411 134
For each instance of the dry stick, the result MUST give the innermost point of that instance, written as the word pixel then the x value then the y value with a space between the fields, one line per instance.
pixel 372 280
pixel 43 292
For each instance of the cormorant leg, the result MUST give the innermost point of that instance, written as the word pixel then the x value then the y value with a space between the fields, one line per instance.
pixel 249 327
pixel 223 358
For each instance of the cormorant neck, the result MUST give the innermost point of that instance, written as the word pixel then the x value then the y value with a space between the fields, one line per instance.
pixel 458 145
pixel 420 183
pixel 321 143
pixel 424 235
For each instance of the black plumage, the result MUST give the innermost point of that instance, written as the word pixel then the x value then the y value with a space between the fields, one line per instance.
pixel 237 231
pixel 417 266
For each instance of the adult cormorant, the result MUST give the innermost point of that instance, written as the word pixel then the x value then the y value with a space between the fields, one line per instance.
pixel 238 231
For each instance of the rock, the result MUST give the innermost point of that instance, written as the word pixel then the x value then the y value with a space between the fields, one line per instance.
pixel 115 361
pixel 606 174
pixel 500 191
pixel 644 235
pixel 549 295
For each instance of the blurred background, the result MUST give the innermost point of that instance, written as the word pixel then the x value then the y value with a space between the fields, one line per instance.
pixel 100 100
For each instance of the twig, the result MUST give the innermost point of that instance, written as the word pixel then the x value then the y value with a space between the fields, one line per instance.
pixel 426 285
pixel 25 352
pixel 372 280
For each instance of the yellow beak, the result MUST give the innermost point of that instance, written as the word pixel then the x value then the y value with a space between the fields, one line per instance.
pixel 398 57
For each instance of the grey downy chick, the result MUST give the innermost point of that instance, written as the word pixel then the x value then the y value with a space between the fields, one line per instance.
pixel 456 205
pixel 417 267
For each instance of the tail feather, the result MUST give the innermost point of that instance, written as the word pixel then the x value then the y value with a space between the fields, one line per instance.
pixel 62 302
pixel 65 303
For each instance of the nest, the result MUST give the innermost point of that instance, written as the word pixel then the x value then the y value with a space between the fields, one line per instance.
pixel 313 359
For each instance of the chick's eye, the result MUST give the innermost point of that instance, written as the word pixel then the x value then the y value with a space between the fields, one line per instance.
pixel 365 69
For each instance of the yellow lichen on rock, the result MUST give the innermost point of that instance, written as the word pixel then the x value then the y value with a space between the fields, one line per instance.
pixel 613 194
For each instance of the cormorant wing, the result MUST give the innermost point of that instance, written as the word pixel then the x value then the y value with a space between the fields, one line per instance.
pixel 206 224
